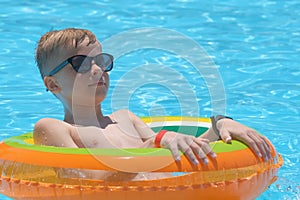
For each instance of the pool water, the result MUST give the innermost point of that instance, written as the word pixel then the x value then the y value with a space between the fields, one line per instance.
pixel 252 49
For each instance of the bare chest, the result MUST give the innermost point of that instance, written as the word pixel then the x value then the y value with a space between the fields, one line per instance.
pixel 113 136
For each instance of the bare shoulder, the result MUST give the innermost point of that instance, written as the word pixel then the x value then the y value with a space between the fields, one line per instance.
pixel 123 114
pixel 53 132
pixel 47 124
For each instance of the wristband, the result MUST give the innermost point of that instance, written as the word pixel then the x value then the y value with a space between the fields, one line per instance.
pixel 214 120
pixel 158 138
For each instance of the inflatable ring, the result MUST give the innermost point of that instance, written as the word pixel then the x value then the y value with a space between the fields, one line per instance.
pixel 31 171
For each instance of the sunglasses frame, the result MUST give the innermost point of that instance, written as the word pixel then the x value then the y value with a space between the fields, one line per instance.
pixel 69 61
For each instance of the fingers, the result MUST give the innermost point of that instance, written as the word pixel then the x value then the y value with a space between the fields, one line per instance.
pixel 260 146
pixel 175 152
pixel 257 143
pixel 189 153
pixel 234 130
pixel 204 145
pixel 196 149
pixel 225 135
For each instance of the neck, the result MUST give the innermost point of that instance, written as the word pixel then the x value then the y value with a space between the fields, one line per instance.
pixel 84 115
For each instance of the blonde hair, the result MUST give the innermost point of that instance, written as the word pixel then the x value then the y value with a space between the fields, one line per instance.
pixel 57 40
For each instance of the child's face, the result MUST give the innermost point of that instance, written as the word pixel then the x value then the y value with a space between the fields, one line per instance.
pixel 88 88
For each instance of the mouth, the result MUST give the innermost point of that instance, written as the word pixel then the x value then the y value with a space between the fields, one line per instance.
pixel 101 82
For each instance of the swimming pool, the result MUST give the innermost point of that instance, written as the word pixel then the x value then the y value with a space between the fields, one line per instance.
pixel 254 46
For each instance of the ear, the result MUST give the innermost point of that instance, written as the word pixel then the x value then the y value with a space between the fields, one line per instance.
pixel 52 84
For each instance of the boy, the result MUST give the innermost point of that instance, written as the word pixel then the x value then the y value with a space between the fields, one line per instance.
pixel 75 70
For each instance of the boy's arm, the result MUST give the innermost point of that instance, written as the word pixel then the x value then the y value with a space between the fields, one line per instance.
pixel 145 132
pixel 53 132
pixel 194 148
pixel 230 129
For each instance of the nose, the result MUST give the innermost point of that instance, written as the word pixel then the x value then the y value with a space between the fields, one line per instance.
pixel 95 69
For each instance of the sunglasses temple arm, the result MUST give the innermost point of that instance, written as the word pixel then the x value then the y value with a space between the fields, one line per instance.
pixel 59 67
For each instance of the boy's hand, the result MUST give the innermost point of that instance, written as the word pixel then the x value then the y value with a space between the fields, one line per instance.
pixel 194 149
pixel 230 129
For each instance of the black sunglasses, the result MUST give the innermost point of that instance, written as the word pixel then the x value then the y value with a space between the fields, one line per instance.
pixel 83 63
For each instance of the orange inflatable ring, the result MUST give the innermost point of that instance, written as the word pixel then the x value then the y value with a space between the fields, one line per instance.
pixel 29 171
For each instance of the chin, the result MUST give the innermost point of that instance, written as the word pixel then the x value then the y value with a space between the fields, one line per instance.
pixel 99 98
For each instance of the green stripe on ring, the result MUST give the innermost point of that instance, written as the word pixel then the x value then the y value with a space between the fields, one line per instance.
pixel 218 146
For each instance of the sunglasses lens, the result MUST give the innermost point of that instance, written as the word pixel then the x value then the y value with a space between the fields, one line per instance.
pixel 105 61
pixel 80 64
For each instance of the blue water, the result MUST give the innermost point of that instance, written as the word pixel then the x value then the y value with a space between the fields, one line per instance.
pixel 254 45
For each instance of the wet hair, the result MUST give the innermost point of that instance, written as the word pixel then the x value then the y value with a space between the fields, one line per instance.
pixel 58 40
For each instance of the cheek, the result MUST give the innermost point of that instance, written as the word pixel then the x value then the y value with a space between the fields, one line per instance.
pixel 107 80
pixel 70 83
